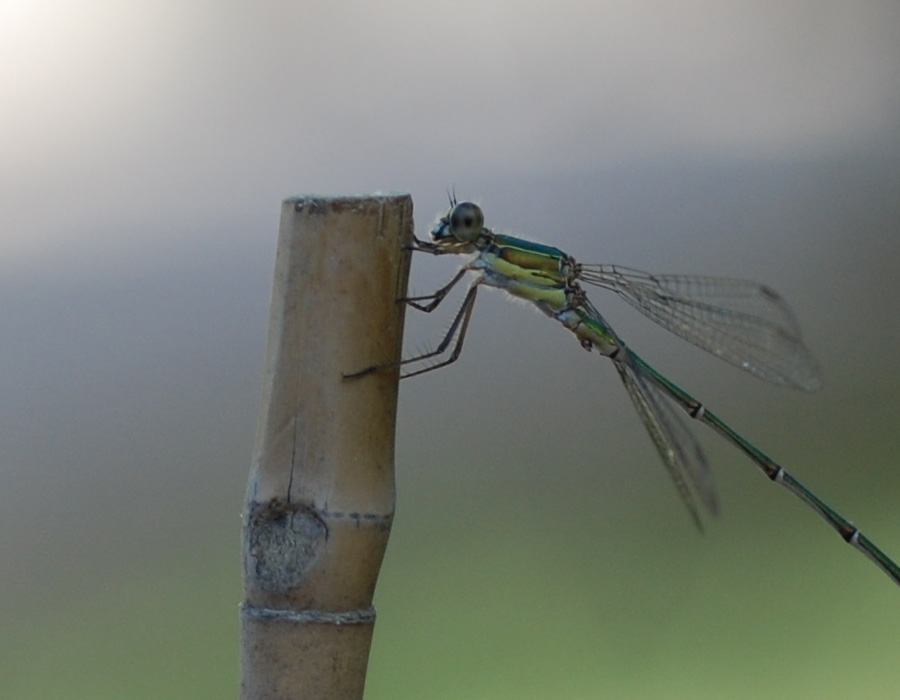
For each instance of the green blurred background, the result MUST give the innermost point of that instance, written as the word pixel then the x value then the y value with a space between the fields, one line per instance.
pixel 539 550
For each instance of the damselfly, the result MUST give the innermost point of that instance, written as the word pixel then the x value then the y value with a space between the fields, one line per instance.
pixel 743 323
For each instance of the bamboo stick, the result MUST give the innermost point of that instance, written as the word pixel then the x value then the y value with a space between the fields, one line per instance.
pixel 320 497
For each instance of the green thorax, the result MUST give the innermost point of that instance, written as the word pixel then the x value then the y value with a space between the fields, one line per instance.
pixel 527 262
pixel 531 271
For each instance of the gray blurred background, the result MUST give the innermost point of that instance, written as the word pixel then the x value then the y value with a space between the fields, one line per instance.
pixel 539 550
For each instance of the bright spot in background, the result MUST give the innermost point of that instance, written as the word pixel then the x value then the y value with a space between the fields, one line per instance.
pixel 114 111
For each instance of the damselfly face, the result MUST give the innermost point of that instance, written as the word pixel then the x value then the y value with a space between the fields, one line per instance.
pixel 461 225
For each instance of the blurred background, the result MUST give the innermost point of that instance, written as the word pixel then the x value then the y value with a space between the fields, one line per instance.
pixel 539 549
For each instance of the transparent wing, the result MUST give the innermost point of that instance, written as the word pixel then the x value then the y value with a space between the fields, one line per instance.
pixel 680 452
pixel 743 323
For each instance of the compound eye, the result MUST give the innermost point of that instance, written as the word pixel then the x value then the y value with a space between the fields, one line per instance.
pixel 466 221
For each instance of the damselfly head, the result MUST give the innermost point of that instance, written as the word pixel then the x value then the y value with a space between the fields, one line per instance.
pixel 462 224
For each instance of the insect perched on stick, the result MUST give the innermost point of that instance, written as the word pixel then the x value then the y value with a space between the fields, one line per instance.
pixel 741 322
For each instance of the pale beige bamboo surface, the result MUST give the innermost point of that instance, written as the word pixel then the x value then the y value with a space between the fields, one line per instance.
pixel 320 497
